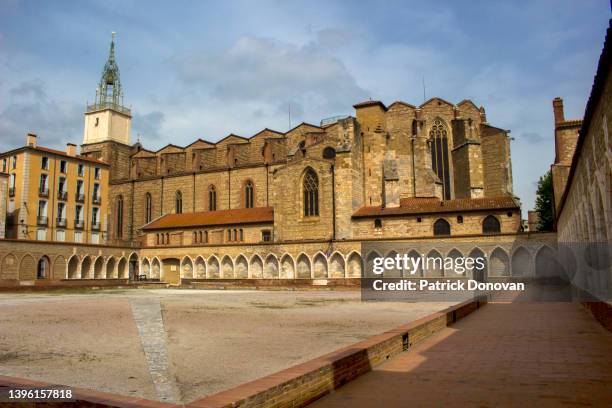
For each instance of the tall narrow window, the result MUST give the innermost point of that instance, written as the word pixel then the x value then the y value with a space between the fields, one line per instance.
pixel 438 137
pixel 248 194
pixel 212 198
pixel 119 230
pixel 148 208
pixel 311 193
pixel 178 202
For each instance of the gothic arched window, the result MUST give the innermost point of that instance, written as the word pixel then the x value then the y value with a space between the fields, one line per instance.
pixel 119 222
pixel 490 225
pixel 442 227
pixel 148 208
pixel 438 137
pixel 212 198
pixel 178 202
pixel 311 193
pixel 248 194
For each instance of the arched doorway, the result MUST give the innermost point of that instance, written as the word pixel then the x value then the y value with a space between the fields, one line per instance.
pixel 43 268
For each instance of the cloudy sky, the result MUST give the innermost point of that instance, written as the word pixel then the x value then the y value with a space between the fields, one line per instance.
pixel 205 69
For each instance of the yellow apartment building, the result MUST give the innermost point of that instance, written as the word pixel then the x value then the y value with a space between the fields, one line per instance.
pixel 55 195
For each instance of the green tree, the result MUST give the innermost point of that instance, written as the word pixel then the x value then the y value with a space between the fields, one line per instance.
pixel 544 202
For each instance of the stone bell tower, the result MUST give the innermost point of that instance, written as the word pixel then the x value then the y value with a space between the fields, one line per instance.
pixel 107 118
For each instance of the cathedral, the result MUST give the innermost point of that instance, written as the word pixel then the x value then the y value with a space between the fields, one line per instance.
pixel 396 171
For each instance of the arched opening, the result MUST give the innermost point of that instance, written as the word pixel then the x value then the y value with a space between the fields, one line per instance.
pixel 43 268
pixel 303 267
pixel 27 268
pixel 186 268
pixel 9 268
pixel 249 198
pixel 271 270
pixel 434 264
pixel 336 266
pixel 491 225
pixel 242 267
pixel 369 265
pixel 212 268
pixel 73 268
pixel 416 264
pixel 310 185
pixel 86 268
pixel 200 268
pixel 499 263
pixel 354 266
pixel 438 139
pixel 256 267
pixel 110 268
pixel 99 268
pixel 287 267
pixel 320 266
pixel 546 265
pixel 133 270
pixel 480 270
pixel 212 198
pixel 521 261
pixel 59 268
pixel 122 268
pixel 227 268
pixel 146 268
pixel 458 267
pixel 148 208
pixel 393 272
pixel 178 202
pixel 441 227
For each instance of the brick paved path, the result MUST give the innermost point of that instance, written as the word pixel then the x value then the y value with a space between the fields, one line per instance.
pixel 518 354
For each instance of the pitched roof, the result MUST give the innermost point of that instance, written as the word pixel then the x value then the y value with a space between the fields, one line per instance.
pixel 58 153
pixel 433 205
pixel 369 103
pixel 210 218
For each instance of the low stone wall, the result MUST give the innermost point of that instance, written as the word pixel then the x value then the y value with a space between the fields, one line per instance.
pixel 300 385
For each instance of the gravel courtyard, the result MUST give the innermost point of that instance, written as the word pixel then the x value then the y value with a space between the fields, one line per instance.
pixel 179 345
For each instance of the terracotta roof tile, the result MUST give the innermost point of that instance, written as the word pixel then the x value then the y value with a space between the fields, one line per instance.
pixel 210 218
pixel 433 205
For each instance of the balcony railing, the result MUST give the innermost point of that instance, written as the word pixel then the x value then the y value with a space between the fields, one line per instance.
pixel 95 226
pixel 43 192
pixel 12 192
pixel 60 222
pixel 79 224
pixel 40 220
pixel 62 195
pixel 108 105
pixel 80 198
pixel 97 199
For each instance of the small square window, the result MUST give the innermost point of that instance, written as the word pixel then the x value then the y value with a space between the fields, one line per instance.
pixel 509 214
pixel 63 166
pixel 419 219
pixel 377 223
pixel 266 236
pixel 460 219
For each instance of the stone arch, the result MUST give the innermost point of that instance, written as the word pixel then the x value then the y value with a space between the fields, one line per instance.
pixel 417 265
pixel 10 267
pixel 133 266
pixel 393 272
pixel 354 265
pixel 242 267
pixel 499 264
pixel 441 227
pixel 43 268
pixel 337 266
pixel 303 270
pixel 369 264
pixel 122 268
pixel 200 268
pixel 458 269
pixel 479 273
pixel 212 268
pixel 287 267
pixel 110 268
pixel 256 267
pixel 271 269
pixel 434 265
pixel 186 268
pixel 59 268
pixel 546 264
pixel 227 268
pixel 320 266
pixel 491 225
pixel 86 272
pixel 99 268
pixel 146 267
pixel 73 268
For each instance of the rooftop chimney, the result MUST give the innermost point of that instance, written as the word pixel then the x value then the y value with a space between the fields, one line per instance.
pixel 71 149
pixel 558 110
pixel 31 140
